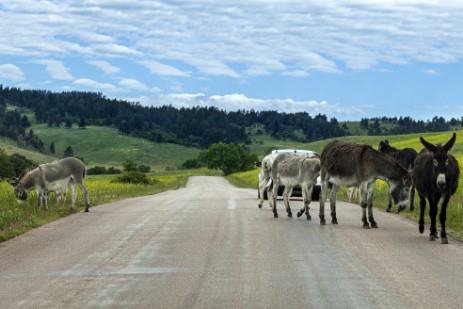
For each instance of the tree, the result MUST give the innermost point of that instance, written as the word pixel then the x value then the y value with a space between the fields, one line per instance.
pixel 82 123
pixel 68 122
pixel 20 163
pixel 69 152
pixel 52 148
pixel 229 158
pixel 6 167
pixel 129 166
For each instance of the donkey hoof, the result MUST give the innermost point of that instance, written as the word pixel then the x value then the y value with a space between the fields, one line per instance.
pixel 388 210
pixel 86 210
pixel 299 214
pixel 444 240
pixel 374 225
pixel 334 221
pixel 432 237
pixel 366 225
pixel 309 218
pixel 290 214
pixel 275 215
pixel 322 222
pixel 260 206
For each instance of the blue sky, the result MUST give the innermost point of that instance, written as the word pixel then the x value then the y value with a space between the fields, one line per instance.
pixel 347 59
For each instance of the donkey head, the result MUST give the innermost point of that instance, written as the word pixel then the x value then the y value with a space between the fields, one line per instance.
pixel 19 191
pixel 383 145
pixel 440 160
pixel 399 191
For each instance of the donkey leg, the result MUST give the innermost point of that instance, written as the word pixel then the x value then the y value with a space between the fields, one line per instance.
pixel 334 191
pixel 321 213
pixel 72 186
pixel 369 192
pixel 412 197
pixel 389 204
pixel 422 210
pixel 274 200
pixel 443 218
pixel 307 198
pixel 85 192
pixel 433 215
pixel 286 194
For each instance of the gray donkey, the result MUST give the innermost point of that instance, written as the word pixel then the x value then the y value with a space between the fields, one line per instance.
pixel 290 170
pixel 52 177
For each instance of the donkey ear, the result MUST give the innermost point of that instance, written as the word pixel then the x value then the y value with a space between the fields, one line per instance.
pixel 428 145
pixel 13 181
pixel 450 143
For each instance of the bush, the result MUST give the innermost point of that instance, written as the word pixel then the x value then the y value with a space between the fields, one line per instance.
pixel 133 178
pixel 191 164
pixel 101 170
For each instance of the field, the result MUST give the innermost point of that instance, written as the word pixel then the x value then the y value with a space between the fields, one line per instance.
pixel 105 146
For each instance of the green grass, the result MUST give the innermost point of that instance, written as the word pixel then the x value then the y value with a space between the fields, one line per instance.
pixel 105 146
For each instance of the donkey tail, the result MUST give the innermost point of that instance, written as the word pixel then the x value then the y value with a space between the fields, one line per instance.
pixel 269 184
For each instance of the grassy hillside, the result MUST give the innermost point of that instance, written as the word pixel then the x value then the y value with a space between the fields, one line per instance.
pixel 105 146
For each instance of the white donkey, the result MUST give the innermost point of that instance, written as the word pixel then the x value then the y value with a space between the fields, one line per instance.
pixel 290 170
pixel 52 177
pixel 264 177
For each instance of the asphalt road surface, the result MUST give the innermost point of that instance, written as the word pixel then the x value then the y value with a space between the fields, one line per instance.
pixel 209 246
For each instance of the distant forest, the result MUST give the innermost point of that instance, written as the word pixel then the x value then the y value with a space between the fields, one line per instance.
pixel 195 126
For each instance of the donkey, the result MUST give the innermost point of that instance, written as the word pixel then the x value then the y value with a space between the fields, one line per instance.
pixel 406 158
pixel 52 177
pixel 290 170
pixel 264 177
pixel 436 174
pixel 357 165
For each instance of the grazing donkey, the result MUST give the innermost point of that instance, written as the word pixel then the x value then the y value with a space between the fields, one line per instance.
pixel 52 177
pixel 357 165
pixel 406 158
pixel 290 170
pixel 436 174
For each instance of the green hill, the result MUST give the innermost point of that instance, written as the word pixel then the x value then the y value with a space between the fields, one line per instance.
pixel 104 146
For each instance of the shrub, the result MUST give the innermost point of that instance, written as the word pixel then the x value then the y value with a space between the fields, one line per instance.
pixel 134 177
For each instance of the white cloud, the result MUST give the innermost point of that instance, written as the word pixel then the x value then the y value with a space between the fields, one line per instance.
pixel 162 69
pixel 104 66
pixel 90 84
pixel 234 102
pixel 236 40
pixel 11 72
pixel 430 72
pixel 133 84
pixel 56 69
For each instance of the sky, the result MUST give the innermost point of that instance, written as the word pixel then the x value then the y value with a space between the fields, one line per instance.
pixel 348 60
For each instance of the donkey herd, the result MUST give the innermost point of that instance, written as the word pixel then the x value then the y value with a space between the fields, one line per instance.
pixel 433 172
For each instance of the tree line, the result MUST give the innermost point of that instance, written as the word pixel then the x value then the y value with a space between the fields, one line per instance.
pixel 194 126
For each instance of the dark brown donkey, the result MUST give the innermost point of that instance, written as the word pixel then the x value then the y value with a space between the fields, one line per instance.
pixel 357 165
pixel 405 157
pixel 436 174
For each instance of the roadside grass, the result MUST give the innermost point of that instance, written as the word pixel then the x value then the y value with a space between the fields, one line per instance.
pixel 16 219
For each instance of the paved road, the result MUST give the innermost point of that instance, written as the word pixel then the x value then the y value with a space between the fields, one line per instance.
pixel 209 246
